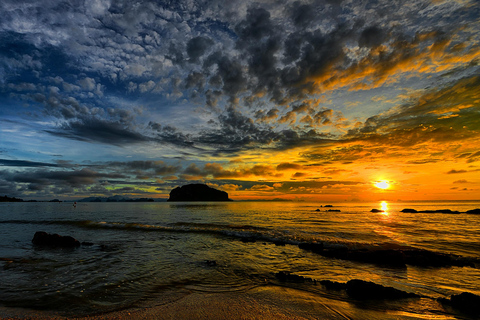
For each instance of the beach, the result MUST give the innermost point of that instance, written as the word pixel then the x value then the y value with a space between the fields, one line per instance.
pixel 266 302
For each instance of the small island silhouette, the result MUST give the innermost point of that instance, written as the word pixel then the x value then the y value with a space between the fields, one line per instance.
pixel 197 192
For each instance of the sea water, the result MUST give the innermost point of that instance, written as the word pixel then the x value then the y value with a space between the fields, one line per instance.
pixel 143 251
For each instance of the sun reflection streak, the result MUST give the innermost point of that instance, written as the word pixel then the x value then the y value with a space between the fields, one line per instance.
pixel 384 207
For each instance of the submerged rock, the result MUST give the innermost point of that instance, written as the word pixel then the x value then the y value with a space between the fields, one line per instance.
pixel 211 263
pixel 409 210
pixel 311 246
pixel 360 289
pixel 45 239
pixel 197 192
pixel 376 210
pixel 290 277
pixel 333 285
pixel 466 302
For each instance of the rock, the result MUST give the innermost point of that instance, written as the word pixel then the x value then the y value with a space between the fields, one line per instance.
pixel 447 211
pixel 211 263
pixel 248 239
pixel 474 211
pixel 42 238
pixel 328 206
pixel 279 243
pixel 333 285
pixel 409 211
pixel 333 210
pixel 361 290
pixel 376 210
pixel 311 246
pixel 290 277
pixel 466 302
pixel 197 192
pixel 317 210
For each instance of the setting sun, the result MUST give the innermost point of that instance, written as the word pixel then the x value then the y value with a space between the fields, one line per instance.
pixel 382 184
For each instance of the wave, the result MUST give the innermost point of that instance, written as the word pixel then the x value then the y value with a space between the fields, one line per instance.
pixel 383 254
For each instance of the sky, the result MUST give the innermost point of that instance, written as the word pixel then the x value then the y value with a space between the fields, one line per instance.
pixel 327 100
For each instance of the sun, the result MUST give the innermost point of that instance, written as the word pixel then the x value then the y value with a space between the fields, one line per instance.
pixel 382 184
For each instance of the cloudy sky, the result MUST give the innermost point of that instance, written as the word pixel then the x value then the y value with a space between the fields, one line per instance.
pixel 315 100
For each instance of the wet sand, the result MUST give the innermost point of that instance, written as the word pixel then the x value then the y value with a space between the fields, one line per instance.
pixel 267 302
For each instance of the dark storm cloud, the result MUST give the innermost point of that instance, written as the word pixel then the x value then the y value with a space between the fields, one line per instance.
pixel 78 59
pixel 371 37
pixel 44 179
pixel 171 135
pixel 99 131
pixel 144 167
pixel 25 163
pixel 196 47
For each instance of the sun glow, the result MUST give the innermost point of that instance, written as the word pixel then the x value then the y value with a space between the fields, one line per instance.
pixel 382 184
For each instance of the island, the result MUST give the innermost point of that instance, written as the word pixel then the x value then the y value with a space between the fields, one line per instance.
pixel 197 192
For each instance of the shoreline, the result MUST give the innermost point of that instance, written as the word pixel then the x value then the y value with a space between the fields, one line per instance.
pixel 264 302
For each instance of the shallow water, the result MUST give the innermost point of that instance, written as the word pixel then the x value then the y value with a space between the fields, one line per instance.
pixel 142 250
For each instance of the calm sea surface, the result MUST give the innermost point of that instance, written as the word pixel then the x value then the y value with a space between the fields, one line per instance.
pixel 143 250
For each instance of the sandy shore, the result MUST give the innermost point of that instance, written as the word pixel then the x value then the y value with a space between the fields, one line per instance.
pixel 267 302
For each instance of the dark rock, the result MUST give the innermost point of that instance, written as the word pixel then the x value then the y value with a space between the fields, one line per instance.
pixel 447 211
pixel 279 243
pixel 286 276
pixel 466 302
pixel 474 211
pixel 361 290
pixel 248 239
pixel 317 210
pixel 86 243
pixel 328 206
pixel 425 258
pixel 42 238
pixel 311 246
pixel 333 210
pixel 333 285
pixel 376 210
pixel 197 192
pixel 211 263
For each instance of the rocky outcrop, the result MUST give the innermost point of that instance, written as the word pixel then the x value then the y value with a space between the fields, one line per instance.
pixel 356 289
pixel 474 211
pixel 466 302
pixel 197 192
pixel 446 211
pixel 408 210
pixel 44 239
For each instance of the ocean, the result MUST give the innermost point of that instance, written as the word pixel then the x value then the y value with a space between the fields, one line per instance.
pixel 143 253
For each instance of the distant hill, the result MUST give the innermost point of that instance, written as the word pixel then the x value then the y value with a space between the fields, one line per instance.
pixel 197 192
pixel 8 199
pixel 116 198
